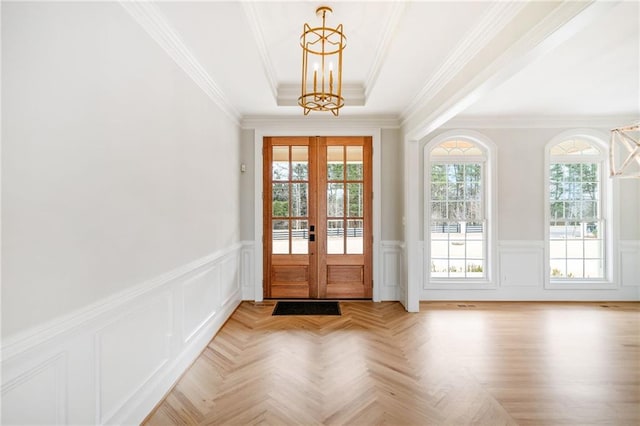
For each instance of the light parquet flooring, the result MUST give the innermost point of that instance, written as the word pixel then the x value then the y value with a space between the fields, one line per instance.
pixel 450 364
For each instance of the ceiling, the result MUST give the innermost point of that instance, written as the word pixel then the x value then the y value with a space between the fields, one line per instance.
pixel 430 60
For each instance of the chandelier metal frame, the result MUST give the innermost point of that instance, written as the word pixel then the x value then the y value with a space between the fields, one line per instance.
pixel 322 84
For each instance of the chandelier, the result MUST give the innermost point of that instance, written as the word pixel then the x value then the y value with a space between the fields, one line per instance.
pixel 322 66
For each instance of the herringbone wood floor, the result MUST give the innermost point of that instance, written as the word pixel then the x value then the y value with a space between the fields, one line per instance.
pixel 453 363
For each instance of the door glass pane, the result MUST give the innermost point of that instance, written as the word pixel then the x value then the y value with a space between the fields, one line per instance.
pixel 335 199
pixel 280 163
pixel 335 236
pixel 354 200
pixel 299 163
pixel 355 232
pixel 354 163
pixel 280 199
pixel 299 237
pixel 280 237
pixel 299 199
pixel 335 163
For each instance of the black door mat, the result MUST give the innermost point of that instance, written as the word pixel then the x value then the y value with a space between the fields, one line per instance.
pixel 307 308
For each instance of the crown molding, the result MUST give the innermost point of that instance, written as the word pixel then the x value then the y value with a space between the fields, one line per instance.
pixel 289 93
pixel 156 25
pixel 389 31
pixel 562 22
pixel 258 36
pixel 491 23
pixel 539 121
pixel 301 122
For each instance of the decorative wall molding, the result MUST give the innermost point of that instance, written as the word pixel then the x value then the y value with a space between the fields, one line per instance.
pixel 112 361
pixel 521 278
pixel 391 261
pixel 247 268
pixel 521 263
pixel 47 375
pixel 561 23
pixel 629 263
pixel 301 122
pixel 537 122
pixel 491 23
pixel 156 25
pixel 383 46
pixel 258 36
pixel 22 342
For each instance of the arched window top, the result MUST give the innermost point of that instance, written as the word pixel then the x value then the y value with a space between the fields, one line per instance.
pixel 575 147
pixel 456 147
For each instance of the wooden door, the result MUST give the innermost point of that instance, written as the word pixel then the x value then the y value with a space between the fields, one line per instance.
pixel 317 217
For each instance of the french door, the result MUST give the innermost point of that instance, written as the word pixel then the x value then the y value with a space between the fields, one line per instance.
pixel 317 217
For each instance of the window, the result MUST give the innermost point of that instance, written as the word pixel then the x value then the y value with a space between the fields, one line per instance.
pixel 577 230
pixel 456 221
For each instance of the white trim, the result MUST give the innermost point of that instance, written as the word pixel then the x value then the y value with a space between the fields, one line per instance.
pixel 489 202
pixel 258 36
pixel 310 123
pixel 491 22
pixel 556 27
pixel 247 268
pixel 383 46
pixel 16 344
pixel 629 257
pixel 520 263
pixel 537 122
pixel 149 17
pixel 77 344
pixel 413 250
pixel 608 198
pixel 391 269
pixel 337 130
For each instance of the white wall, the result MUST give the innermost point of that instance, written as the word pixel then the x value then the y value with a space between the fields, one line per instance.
pixel 120 215
pixel 521 227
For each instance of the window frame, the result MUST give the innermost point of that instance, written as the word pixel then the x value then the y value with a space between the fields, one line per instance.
pixel 488 204
pixel 605 209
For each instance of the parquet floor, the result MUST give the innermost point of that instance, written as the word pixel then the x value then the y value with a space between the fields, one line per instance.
pixel 450 364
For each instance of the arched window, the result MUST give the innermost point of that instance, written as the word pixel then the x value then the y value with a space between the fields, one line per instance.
pixel 457 225
pixel 576 210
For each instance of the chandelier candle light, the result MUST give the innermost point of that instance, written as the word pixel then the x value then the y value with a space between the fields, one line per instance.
pixel 322 46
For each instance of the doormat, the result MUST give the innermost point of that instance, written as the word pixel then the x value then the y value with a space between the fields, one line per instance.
pixel 307 308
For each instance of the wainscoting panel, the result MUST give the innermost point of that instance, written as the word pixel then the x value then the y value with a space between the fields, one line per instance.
pixel 630 263
pixel 392 267
pixel 521 263
pixel 521 277
pixel 247 280
pixel 200 298
pixel 111 362
pixel 129 352
pixel 38 395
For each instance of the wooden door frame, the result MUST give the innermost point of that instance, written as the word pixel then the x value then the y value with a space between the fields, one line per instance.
pixel 276 129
